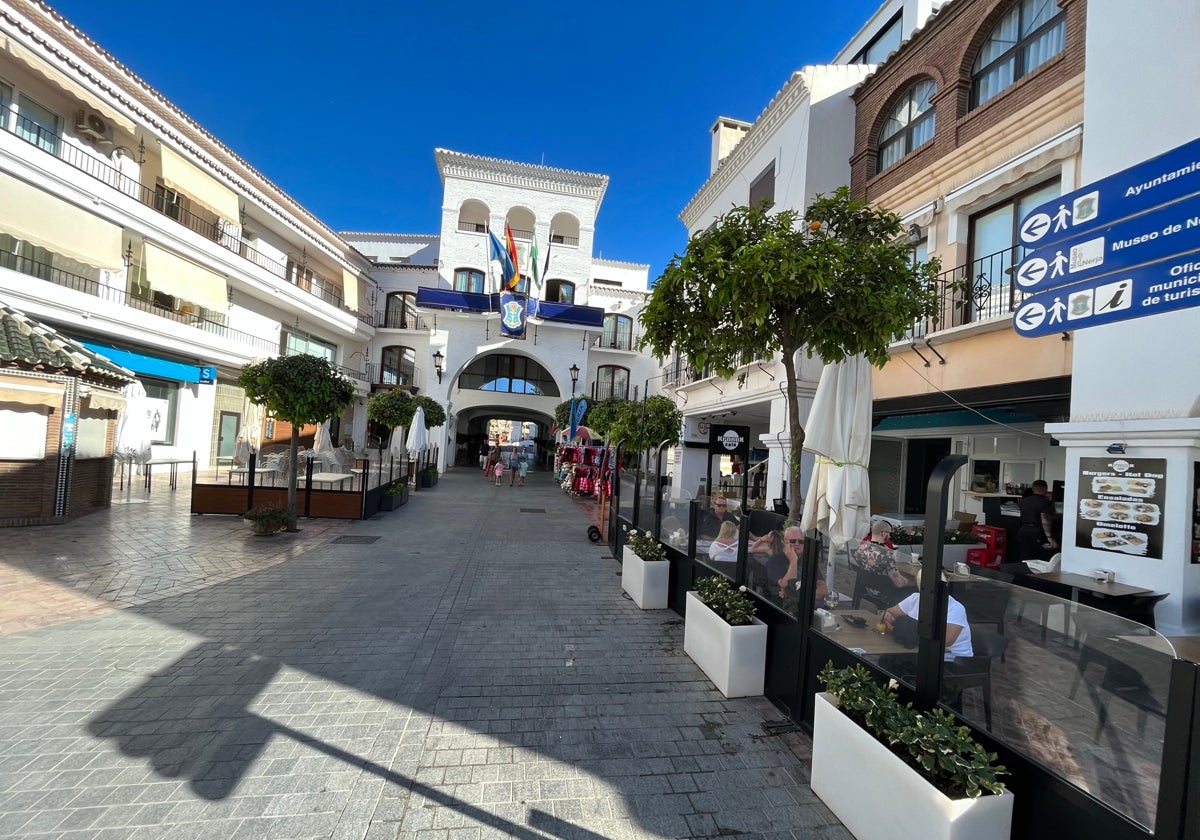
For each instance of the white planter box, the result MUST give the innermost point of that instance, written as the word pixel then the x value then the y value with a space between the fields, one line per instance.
pixel 734 658
pixel 879 797
pixel 645 580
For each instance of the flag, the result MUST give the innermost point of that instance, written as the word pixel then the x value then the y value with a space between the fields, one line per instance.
pixel 508 268
pixel 512 280
pixel 512 314
pixel 533 266
pixel 546 266
pixel 578 409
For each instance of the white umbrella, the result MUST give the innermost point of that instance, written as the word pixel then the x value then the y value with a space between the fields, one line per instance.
pixel 418 435
pixel 133 427
pixel 839 434
pixel 322 443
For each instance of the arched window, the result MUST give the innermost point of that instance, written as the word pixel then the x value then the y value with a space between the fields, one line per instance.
pixel 564 229
pixel 401 311
pixel 508 374
pixel 612 381
pixel 560 291
pixel 468 280
pixel 521 221
pixel 618 332
pixel 1031 33
pixel 398 366
pixel 909 125
pixel 473 217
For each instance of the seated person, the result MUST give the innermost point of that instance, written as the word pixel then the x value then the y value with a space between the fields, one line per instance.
pixel 718 512
pixel 672 531
pixel 958 631
pixel 724 548
pixel 784 571
pixel 877 555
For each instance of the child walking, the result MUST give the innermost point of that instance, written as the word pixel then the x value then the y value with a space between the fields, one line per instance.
pixel 522 468
pixel 498 472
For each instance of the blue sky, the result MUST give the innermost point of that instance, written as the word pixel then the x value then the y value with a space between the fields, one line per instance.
pixel 343 105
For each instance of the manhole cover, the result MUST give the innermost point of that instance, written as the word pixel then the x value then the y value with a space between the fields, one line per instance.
pixel 533 510
pixel 356 540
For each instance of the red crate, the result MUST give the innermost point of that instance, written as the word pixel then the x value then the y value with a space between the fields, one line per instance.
pixel 995 538
pixel 985 558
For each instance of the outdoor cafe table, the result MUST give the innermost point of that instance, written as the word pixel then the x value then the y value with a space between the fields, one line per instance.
pixel 174 471
pixel 331 478
pixel 1082 583
pixel 866 639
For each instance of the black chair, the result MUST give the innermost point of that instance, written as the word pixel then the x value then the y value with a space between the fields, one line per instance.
pixel 780 506
pixel 1140 608
pixel 877 588
pixel 975 671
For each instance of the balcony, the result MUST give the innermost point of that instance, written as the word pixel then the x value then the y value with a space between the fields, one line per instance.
pixel 615 342
pixel 429 297
pixel 973 293
pixel 560 239
pixel 57 276
pixel 224 233
pixel 400 321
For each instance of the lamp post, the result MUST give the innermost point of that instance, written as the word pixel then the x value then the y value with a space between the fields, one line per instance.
pixel 574 379
pixel 438 358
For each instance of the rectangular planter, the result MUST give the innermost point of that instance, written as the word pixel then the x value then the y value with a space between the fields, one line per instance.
pixel 879 797
pixel 734 658
pixel 645 580
pixel 391 501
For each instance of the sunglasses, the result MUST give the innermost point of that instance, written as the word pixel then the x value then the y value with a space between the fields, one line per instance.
pixel 796 541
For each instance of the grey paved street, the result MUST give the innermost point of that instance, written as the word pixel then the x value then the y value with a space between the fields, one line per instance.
pixel 463 667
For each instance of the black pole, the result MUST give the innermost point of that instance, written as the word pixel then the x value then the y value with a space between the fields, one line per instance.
pixel 658 488
pixel 931 615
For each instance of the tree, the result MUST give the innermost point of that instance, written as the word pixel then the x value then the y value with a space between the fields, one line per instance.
pixel 644 425
pixel 391 409
pixel 299 390
pixel 435 415
pixel 837 281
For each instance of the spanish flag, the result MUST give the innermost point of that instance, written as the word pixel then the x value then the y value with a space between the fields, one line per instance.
pixel 510 282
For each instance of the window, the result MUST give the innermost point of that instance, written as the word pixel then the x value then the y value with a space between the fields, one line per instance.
pixel 1031 33
pixel 6 96
pixel 994 251
pixel 295 343
pixel 170 203
pixel 398 366
pixel 612 381
pixel 882 45
pixel 401 311
pixel 763 188
pixel 38 125
pixel 299 275
pixel 161 408
pixel 909 125
pixel 618 332
pixel 508 374
pixel 468 280
pixel 560 291
pixel 19 255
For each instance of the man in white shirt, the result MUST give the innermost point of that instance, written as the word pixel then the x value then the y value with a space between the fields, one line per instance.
pixel 958 631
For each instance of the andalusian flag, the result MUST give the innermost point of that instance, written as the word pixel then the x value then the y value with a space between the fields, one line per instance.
pixel 510 283
pixel 533 266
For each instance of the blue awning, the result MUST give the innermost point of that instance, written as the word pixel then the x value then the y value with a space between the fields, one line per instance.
pixel 432 298
pixel 149 365
pixel 569 313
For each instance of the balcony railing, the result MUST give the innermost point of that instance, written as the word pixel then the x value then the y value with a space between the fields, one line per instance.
pixel 972 293
pixel 402 378
pixel 604 390
pixel 57 276
pixel 472 227
pixel 224 233
pixel 617 342
pixel 559 239
pixel 351 372
pixel 400 321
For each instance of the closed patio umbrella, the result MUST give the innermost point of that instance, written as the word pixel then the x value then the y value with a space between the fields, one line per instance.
pixel 133 427
pixel 839 434
pixel 321 442
pixel 418 435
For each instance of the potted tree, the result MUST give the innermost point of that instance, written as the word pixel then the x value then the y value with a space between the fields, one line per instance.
pixel 395 496
pixel 922 775
pixel 645 571
pixel 722 636
pixel 268 518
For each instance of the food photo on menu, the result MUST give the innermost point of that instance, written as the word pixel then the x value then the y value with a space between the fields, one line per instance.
pixel 1123 511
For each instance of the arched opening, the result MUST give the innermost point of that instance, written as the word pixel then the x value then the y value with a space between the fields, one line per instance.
pixel 564 229
pixel 473 217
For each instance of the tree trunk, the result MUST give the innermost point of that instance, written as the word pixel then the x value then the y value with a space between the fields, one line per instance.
pixel 293 454
pixel 795 434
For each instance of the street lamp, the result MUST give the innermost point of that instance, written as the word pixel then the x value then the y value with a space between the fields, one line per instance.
pixel 438 358
pixel 574 379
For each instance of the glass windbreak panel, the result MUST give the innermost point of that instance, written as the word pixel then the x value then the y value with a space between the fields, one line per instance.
pixel 774 559
pixel 628 482
pixel 674 529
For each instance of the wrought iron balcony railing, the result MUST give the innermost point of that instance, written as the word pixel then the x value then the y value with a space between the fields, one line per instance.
pixel 978 291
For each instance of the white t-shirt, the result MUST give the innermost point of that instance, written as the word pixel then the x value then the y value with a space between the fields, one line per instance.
pixel 956 613
pixel 723 553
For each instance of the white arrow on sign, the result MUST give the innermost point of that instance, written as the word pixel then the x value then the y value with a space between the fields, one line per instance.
pixel 1032 272
pixel 1035 227
pixel 1030 316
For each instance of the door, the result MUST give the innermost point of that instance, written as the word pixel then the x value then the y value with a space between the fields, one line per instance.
pixel 923 456
pixel 227 431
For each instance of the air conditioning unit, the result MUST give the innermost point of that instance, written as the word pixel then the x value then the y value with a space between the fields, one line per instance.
pixel 93 126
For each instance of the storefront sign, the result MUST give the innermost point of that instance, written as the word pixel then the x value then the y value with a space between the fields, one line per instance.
pixel 729 440
pixel 1121 505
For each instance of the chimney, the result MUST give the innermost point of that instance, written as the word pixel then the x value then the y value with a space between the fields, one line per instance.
pixel 726 134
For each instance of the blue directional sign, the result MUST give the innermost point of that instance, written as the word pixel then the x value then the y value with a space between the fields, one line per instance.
pixel 1159 180
pixel 1146 290
pixel 1159 234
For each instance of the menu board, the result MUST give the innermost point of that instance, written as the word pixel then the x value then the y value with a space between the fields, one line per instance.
pixel 1121 505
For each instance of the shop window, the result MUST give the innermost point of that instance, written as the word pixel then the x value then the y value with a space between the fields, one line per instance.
pixel 1031 33
pixel 162 406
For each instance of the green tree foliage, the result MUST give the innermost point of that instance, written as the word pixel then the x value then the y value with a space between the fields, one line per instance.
pixel 435 415
pixel 837 281
pixel 299 390
pixel 601 415
pixel 391 408
pixel 644 425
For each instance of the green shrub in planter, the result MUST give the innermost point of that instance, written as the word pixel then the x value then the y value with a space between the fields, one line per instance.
pixel 267 518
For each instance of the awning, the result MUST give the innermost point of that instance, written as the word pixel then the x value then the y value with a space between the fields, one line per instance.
pixel 567 313
pixel 40 219
pixel 180 174
pixel 350 289
pixel 149 365
pixel 176 276
pixel 104 399
pixel 428 296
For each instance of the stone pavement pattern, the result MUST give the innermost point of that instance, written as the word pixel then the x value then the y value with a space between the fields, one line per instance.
pixel 464 667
